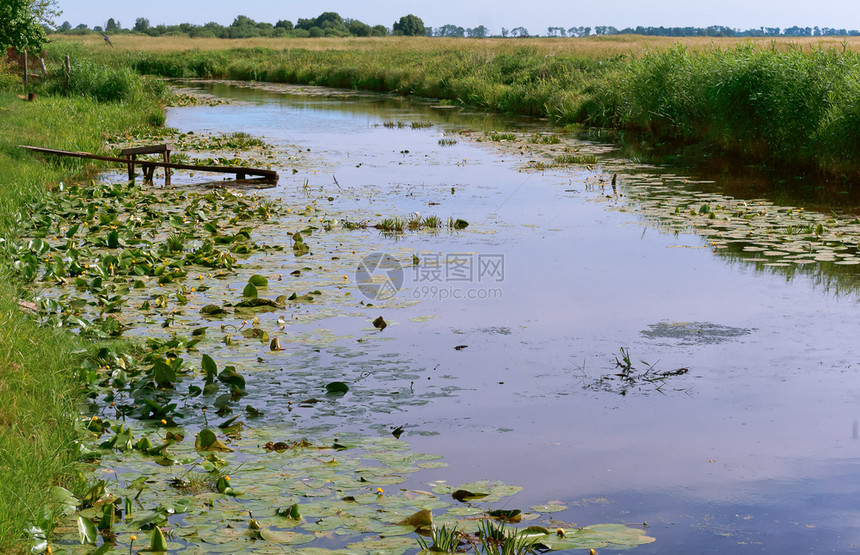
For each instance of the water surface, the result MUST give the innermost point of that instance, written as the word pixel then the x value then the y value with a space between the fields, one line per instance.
pixel 754 448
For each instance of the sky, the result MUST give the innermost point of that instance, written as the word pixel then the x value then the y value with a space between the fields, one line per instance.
pixel 534 15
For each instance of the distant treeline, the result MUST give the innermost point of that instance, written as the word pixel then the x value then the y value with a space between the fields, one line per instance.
pixel 331 24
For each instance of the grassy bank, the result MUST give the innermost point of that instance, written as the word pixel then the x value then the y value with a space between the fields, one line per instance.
pixel 779 103
pixel 40 398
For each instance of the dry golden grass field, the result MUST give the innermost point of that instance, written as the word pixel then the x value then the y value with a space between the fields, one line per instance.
pixel 592 46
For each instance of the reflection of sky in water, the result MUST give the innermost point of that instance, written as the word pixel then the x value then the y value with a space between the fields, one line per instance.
pixel 753 445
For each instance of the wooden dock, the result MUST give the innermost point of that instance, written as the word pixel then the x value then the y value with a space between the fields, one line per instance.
pixel 148 166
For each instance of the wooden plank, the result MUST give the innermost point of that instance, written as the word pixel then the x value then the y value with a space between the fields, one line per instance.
pixel 270 175
pixel 153 149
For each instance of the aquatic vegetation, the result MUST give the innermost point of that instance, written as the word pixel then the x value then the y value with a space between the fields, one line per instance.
pixel 577 159
pixel 445 141
pixel 457 224
pixel 499 136
pixel 414 222
pixel 396 225
pixel 443 540
pixel 178 422
pixel 496 539
pixel 403 124
pixel 545 139
pixel 784 239
pixel 38 366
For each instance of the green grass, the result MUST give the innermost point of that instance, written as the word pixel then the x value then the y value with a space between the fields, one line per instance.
pixel 40 397
pixel 786 107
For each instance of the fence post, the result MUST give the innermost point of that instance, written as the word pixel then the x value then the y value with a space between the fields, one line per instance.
pixel 67 64
pixel 26 73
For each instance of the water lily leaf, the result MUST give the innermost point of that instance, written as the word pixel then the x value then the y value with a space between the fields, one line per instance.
pixel 336 388
pixel 65 499
pixel 250 291
pixel 257 303
pixel 206 440
pixel 284 536
pixel 549 508
pixel 255 333
pixel 158 542
pixel 463 495
pixel 113 240
pixel 108 517
pixel 213 310
pixel 258 281
pixel 593 537
pixel 210 368
pixel 231 377
pixel 290 512
pixel 421 519
pixel 380 324
pixel 87 531
pixel 384 546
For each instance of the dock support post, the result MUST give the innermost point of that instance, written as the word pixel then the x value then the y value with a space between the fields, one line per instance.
pixel 166 169
pixel 131 158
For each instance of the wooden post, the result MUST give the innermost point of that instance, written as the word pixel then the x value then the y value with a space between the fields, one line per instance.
pixel 68 67
pixel 44 67
pixel 131 158
pixel 166 169
pixel 26 72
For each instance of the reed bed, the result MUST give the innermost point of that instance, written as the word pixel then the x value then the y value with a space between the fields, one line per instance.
pixel 778 102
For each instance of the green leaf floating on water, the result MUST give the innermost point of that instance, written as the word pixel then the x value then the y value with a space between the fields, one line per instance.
pixel 158 542
pixel 258 281
pixel 421 519
pixel 210 368
pixel 463 495
pixel 231 377
pixel 336 388
pixel 613 536
pixel 207 441
pixel 250 291
pixel 213 310
pixel 284 536
pixel 87 531
pixel 548 508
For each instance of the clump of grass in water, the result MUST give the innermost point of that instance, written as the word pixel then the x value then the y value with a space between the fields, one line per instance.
pixel 447 142
pixel 415 222
pixel 175 242
pixel 498 540
pixel 574 159
pixel 457 223
pixel 539 138
pixel 240 139
pixel 445 540
pixel 403 124
pixel 496 136
pixel 397 225
pixel 392 224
